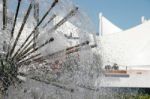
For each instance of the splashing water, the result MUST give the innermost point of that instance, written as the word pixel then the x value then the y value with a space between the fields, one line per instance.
pixel 51 52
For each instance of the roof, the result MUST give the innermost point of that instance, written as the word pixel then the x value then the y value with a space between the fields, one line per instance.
pixel 107 27
pixel 129 47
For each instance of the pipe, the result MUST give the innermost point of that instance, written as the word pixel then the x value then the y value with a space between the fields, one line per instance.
pixel 16 15
pixel 27 53
pixel 53 5
pixel 4 14
pixel 49 21
pixel 21 28
pixel 69 15
pixel 68 51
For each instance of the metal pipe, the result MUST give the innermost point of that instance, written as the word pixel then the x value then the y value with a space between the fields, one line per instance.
pixel 4 14
pixel 21 28
pixel 36 16
pixel 24 55
pixel 49 21
pixel 16 15
pixel 30 58
pixel 55 84
pixel 66 88
pixel 53 5
pixel 14 24
pixel 68 51
pixel 29 61
pixel 69 15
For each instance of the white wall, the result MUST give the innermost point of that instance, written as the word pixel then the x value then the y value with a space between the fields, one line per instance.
pixel 130 47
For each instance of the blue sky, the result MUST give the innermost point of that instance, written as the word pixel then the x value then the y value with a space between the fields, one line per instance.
pixel 123 13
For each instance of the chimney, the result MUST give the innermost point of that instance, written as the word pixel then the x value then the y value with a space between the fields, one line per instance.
pixel 143 19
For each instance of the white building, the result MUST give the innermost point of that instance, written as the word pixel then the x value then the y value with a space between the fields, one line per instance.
pixel 130 49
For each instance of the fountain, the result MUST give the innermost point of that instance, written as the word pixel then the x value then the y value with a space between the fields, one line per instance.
pixel 38 58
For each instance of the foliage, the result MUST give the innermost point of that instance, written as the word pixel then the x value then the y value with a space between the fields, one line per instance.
pixel 137 96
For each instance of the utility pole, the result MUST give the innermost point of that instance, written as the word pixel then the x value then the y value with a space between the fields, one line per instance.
pixel 4 14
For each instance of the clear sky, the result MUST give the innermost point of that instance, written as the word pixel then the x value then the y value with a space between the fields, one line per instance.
pixel 123 13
